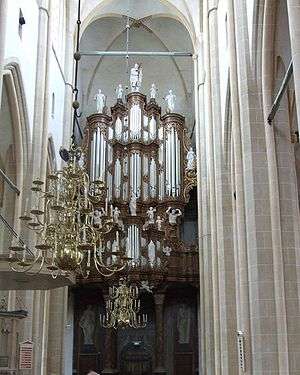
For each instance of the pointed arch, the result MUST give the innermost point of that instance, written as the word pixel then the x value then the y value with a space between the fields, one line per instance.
pixel 18 156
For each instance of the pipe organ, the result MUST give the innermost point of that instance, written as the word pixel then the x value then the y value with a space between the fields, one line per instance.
pixel 141 157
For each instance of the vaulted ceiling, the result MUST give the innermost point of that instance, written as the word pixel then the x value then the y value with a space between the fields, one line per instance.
pixel 152 29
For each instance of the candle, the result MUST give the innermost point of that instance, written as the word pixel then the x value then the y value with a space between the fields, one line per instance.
pixel 84 234
pixel 106 206
pixel 85 197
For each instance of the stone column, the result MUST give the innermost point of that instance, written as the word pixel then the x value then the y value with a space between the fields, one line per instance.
pixel 264 331
pixel 206 359
pixel 294 16
pixel 110 354
pixel 69 64
pixel 159 335
pixel 56 333
pixel 3 19
pixel 41 88
pixel 211 65
pixel 275 159
pixel 240 246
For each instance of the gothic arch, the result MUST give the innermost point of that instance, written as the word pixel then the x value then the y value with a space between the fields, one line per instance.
pixel 94 11
pixel 111 42
pixel 19 154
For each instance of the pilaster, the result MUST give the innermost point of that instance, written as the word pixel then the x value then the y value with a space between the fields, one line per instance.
pixel 159 335
pixel 3 22
pixel 293 15
pixel 110 354
pixel 56 334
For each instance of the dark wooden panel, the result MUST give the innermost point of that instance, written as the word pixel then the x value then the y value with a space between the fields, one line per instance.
pixel 89 362
pixel 183 364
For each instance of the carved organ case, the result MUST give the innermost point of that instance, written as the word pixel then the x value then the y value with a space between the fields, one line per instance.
pixel 141 158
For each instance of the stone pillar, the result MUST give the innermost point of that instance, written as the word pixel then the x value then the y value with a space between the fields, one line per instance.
pixel 110 354
pixel 263 329
pixel 276 159
pixel 294 16
pixel 211 65
pixel 56 333
pixel 69 64
pixel 240 246
pixel 3 20
pixel 206 359
pixel 159 335
pixel 41 89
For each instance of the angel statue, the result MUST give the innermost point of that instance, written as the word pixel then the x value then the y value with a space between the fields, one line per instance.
pixel 159 222
pixel 170 99
pixel 173 213
pixel 153 91
pixel 132 204
pixel 100 99
pixel 150 214
pixel 191 160
pixel 119 92
pixel 136 76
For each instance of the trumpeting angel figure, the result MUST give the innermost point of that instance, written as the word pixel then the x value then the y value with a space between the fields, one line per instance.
pixel 136 76
pixel 100 99
pixel 170 99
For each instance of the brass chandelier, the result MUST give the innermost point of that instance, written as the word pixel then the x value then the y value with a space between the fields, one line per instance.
pixel 71 217
pixel 71 236
pixel 123 307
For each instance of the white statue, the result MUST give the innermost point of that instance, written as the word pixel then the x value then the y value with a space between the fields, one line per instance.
pixel 136 76
pixel 167 251
pixel 97 217
pixel 151 252
pixel 191 159
pixel 153 91
pixel 100 99
pixel 145 285
pixel 170 99
pixel 150 214
pixel 119 92
pixel 116 217
pixel 116 214
pixel 173 213
pixel 159 222
pixel 132 204
pixel 87 324
pixel 183 324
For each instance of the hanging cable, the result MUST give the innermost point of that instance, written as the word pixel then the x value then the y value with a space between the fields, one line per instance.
pixel 77 57
pixel 127 41
pixel 127 38
pixel 15 234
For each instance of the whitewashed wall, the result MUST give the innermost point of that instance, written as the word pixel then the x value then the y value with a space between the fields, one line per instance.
pixel 56 87
pixel 23 50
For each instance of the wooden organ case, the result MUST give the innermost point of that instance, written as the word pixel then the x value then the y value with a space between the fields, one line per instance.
pixel 141 156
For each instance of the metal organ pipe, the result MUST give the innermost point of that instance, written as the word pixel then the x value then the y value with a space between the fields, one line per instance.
pixel 92 154
pixel 173 162
pixel 178 182
pixel 97 155
pixel 167 165
pixel 139 174
pixel 102 157
pixel 135 172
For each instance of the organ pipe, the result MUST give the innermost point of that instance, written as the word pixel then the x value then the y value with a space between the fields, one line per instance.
pixel 127 150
